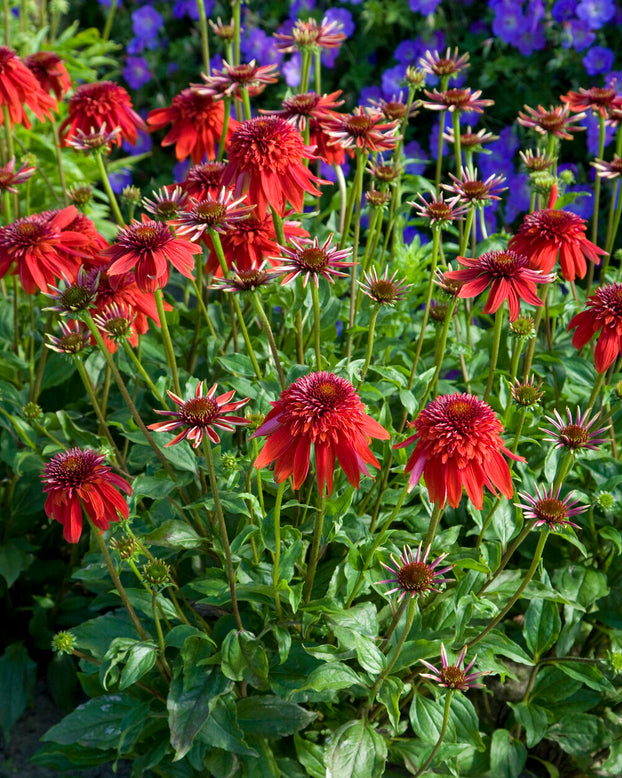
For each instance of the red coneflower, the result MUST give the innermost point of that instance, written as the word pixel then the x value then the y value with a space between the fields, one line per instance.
pixel 310 35
pixel 599 100
pixel 450 65
pixel 506 274
pixel 472 190
pixel 147 247
pixel 50 72
pixel 469 140
pixel 611 169
pixel 307 106
pixel 115 323
pixel 459 444
pixel 310 260
pixel 265 160
pixel 204 179
pixel 94 140
pixel 10 178
pixel 251 241
pixel 437 211
pixel 363 130
pixel 382 289
pixel 198 123
pixel 547 508
pixel 461 100
pixel 167 203
pixel 220 213
pixel 200 415
pixel 19 86
pixel 77 478
pixel 323 410
pixel 574 434
pixel 233 78
pixel 556 121
pixel 454 676
pixel 395 108
pixel 245 280
pixel 93 106
pixel 545 234
pixel 74 338
pixel 604 312
pixel 413 575
pixel 44 247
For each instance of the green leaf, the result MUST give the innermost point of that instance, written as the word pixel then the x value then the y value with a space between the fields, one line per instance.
pixel 174 534
pixel 245 658
pixel 332 676
pixel 542 626
pixel 576 733
pixel 501 644
pixel 221 730
pixel 426 718
pixel 613 536
pixel 310 756
pixel 507 755
pixel 189 708
pixel 583 585
pixel 355 750
pixel 137 657
pixel 97 634
pixel 589 674
pixel 465 721
pixel 269 716
pixel 17 681
pixel 236 364
pixel 532 718
pixel 103 722
pixel 13 561
pixel 152 486
pixel 389 693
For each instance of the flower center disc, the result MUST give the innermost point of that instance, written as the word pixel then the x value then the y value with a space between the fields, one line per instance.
pixel 415 577
pixel 575 435
pixel 200 411
pixel 210 213
pixel 359 125
pixel 453 676
pixel 384 291
pixel 551 510
pixel 314 258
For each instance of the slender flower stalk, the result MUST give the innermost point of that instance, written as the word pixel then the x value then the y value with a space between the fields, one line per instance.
pixel 112 200
pixel 494 354
pixel 204 35
pixel 316 546
pixel 265 324
pixel 277 545
pixel 169 350
pixel 441 734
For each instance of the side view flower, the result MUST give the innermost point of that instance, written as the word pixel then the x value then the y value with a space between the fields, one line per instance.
pixel 604 313
pixel 323 410
pixel 548 509
pixel 200 416
pixel 77 478
pixel 454 676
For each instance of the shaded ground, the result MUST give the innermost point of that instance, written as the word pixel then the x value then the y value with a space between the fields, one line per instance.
pixel 15 756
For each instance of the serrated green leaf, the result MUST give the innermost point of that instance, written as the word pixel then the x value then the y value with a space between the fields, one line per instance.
pixel 355 750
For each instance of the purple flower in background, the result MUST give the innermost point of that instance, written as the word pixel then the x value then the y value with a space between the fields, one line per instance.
pixel 370 93
pixel 189 8
pixel 392 81
pixel 146 24
pixel 344 17
pixel 120 179
pixel 414 151
pixel 424 7
pixel 598 60
pixel 180 170
pixel 292 70
pixel 329 56
pixel 613 78
pixel 519 197
pixel 579 37
pixel 136 45
pixel 299 7
pixel 563 10
pixel 595 13
pixel 530 41
pixel 582 206
pixel 535 13
pixel 499 161
pixel 142 146
pixel 260 46
pixel 433 40
pixel 509 21
pixel 407 52
pixel 136 72
pixel 328 171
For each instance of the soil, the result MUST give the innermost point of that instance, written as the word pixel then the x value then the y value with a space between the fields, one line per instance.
pixel 15 755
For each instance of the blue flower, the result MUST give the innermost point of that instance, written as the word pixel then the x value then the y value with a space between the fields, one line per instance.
pixel 596 12
pixel 424 7
pixel 189 8
pixel 598 60
pixel 579 36
pixel 260 46
pixel 292 70
pixel 519 196
pixel 530 41
pixel 120 179
pixel 563 10
pixel 344 17
pixel 136 72
pixel 299 7
pixel 392 81
pixel 415 152
pixel 146 23
pixel 509 22
pixel 369 93
pixel 328 171
pixel 592 126
pixel 143 144
pixel 407 52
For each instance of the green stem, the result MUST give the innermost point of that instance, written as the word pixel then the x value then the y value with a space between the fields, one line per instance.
pixel 457 144
pixel 158 626
pixel 410 617
pixel 225 126
pixel 467 231
pixel 317 324
pixel 508 554
pixel 496 340
pixel 305 69
pixel 204 36
pixel 532 343
pixel 59 161
pixel 142 372
pixel 528 576
pixel 316 546
pixel 436 239
pixel 595 391
pixel 265 325
pixel 246 103
pixel 433 526
pixel 370 342
pixel 441 350
pixel 277 545
pixel 169 351
pixel 112 200
pixel 236 7
pixel 109 19
pixel 441 735
pixel 224 539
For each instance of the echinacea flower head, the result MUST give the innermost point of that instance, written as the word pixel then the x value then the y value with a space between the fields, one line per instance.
pixel 611 169
pixel 603 312
pixel 115 322
pixel 44 248
pixel 19 87
pixel 73 296
pixel 167 203
pixel 219 213
pixel 102 104
pixel 458 444
pixel 469 140
pixel 545 234
pixel 377 198
pixel 395 108
pixel 97 139
pixel 77 478
pixel 201 415
pixel 11 178
pixel 526 393
pixel 459 100
pixel 599 100
pixel 233 78
pixel 413 575
pixel 385 173
pixel 363 130
pixel 574 434
pixel 147 247
pixel 301 109
pixel 245 280
pixel 74 337
pixel 536 161
pixel 309 35
pixel 557 121
pixel 324 411
pixel 309 259
pixel 506 274
pixel 204 179
pixel 197 123
pixel 265 160
pixel 473 191
pixel 454 677
pixel 383 290
pixel 438 211
pixel 548 509
pixel 50 71
pixel 523 327
pixel 447 66
pixel 223 30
